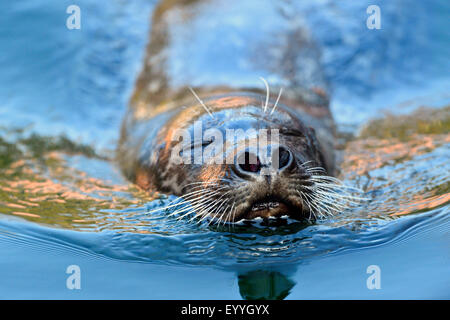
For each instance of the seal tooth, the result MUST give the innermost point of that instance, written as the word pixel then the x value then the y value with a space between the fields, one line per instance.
pixel 263 206
pixel 274 204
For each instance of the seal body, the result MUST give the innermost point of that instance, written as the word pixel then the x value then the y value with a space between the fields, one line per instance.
pixel 232 54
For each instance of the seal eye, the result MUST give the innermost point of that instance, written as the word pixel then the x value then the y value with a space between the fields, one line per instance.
pixel 207 143
pixel 202 144
pixel 249 162
pixel 284 157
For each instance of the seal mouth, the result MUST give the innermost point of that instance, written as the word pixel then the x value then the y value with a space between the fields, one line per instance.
pixel 271 206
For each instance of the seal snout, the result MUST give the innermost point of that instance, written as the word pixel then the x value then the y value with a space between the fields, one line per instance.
pixel 248 162
pixel 267 174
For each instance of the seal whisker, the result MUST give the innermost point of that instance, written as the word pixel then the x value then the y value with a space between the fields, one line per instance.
pixel 224 201
pixel 303 197
pixel 223 211
pixel 167 207
pixel 326 179
pixel 227 211
pixel 305 164
pixel 332 184
pixel 315 168
pixel 267 93
pixel 234 212
pixel 332 194
pixel 323 206
pixel 222 208
pixel 214 205
pixel 186 198
pixel 190 211
pixel 174 202
pixel 327 195
pixel 199 202
pixel 217 205
pixel 313 206
pixel 216 210
pixel 335 204
pixel 200 182
pixel 276 102
pixel 230 213
pixel 201 102
pixel 219 220
pixel 201 205
pixel 195 192
pixel 201 187
pixel 335 195
pixel 341 193
pixel 192 201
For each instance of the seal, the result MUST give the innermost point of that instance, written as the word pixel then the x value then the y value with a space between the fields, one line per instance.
pixel 205 71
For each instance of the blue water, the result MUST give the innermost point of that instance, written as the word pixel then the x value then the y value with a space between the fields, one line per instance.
pixel 73 209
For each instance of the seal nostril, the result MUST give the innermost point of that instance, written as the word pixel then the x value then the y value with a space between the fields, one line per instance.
pixel 249 162
pixel 284 156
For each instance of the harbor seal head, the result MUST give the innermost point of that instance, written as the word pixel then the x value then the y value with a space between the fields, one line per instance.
pixel 232 158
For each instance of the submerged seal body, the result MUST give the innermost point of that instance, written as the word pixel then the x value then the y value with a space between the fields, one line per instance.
pixel 229 52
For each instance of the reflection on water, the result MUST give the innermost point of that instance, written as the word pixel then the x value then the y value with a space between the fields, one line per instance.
pixel 403 162
pixel 40 181
pixel 264 285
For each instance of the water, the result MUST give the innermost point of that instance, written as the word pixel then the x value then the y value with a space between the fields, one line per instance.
pixel 63 201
